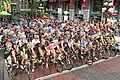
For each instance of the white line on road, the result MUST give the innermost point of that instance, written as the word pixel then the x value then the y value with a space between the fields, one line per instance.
pixel 76 68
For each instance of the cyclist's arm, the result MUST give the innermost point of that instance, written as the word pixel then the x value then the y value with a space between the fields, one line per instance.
pixel 40 51
pixel 48 51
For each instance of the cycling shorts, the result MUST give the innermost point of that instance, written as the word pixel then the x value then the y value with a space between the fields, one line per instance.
pixel 7 53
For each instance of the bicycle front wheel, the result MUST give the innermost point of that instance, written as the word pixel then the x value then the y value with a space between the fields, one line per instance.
pixel 106 54
pixel 68 63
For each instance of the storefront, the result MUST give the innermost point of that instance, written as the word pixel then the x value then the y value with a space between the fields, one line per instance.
pixel 96 9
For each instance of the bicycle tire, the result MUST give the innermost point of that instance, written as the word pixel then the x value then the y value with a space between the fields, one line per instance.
pixel 12 74
pixel 28 69
pixel 46 70
pixel 105 54
pixel 89 59
pixel 113 53
pixel 97 56
pixel 78 60
pixel 58 66
pixel 68 64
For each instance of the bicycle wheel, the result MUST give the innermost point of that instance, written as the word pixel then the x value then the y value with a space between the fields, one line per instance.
pixel 78 60
pixel 46 69
pixel 89 59
pixel 118 50
pixel 105 54
pixel 113 53
pixel 12 73
pixel 68 63
pixel 28 68
pixel 58 66
pixel 113 50
pixel 97 56
pixel 11 76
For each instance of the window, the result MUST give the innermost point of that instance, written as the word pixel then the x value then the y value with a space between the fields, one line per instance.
pixel 97 5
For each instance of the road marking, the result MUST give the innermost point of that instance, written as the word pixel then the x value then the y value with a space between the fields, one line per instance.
pixel 76 68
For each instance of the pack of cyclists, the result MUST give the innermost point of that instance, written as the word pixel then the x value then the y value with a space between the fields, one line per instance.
pixel 39 39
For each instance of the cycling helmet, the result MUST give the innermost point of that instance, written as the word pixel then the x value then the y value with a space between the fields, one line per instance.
pixel 107 34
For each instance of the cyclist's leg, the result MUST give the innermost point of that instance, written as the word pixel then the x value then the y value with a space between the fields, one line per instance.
pixel 40 52
pixel 53 52
pixel 23 56
pixel 13 55
pixel 33 52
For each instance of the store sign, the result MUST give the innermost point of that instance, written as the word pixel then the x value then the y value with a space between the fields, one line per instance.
pixel 114 14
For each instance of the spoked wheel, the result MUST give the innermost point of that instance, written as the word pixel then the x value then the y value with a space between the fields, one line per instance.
pixel 12 73
pixel 113 53
pixel 78 60
pixel 105 54
pixel 97 56
pixel 29 69
pixel 68 63
pixel 58 66
pixel 118 52
pixel 89 59
pixel 46 68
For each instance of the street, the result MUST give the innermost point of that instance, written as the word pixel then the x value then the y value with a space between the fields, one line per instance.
pixel 101 70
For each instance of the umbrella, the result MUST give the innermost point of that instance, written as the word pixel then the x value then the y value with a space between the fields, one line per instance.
pixel 5 13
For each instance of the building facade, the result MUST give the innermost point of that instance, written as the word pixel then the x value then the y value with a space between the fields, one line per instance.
pixel 65 9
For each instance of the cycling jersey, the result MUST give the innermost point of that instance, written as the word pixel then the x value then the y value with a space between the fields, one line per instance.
pixel 105 39
pixel 8 45
pixel 51 46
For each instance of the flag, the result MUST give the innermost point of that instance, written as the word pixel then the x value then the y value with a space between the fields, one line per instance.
pixel 8 6
pixel 5 5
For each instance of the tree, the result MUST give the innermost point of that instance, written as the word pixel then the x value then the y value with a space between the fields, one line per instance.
pixel 33 5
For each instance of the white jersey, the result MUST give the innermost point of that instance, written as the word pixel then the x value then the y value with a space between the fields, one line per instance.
pixel 22 41
pixel 35 41
pixel 8 45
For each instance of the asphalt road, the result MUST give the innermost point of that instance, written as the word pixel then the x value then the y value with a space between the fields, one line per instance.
pixel 102 70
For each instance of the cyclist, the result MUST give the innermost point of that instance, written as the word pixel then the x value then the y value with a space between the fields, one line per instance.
pixel 22 42
pixel 9 52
